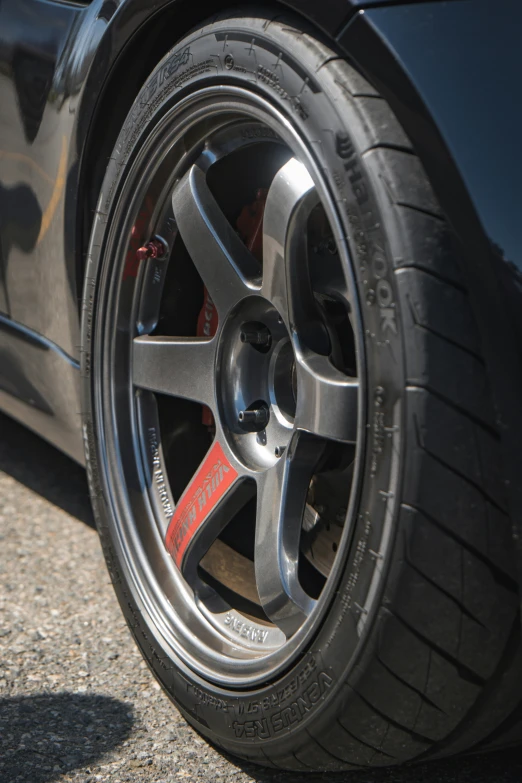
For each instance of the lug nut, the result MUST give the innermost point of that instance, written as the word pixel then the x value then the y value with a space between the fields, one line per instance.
pixel 254 420
pixel 260 337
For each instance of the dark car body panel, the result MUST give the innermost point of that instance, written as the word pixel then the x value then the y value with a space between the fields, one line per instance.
pixel 451 71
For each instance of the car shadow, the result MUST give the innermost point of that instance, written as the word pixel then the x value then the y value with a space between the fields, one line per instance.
pixel 42 468
pixel 45 736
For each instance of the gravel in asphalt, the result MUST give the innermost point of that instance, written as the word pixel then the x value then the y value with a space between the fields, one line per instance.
pixel 77 702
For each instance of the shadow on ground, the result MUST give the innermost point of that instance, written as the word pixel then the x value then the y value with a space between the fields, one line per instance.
pixel 45 470
pixel 47 735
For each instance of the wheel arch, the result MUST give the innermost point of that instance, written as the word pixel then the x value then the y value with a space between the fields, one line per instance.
pixel 106 107
pixel 407 53
pixel 130 56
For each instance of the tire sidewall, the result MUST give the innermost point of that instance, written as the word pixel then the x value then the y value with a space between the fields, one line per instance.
pixel 285 68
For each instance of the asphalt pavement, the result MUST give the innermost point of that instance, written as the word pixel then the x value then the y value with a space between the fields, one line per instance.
pixel 77 703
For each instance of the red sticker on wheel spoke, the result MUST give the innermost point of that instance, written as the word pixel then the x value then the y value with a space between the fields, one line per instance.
pixel 215 476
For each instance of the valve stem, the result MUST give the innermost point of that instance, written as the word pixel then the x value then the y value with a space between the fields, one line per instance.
pixel 156 248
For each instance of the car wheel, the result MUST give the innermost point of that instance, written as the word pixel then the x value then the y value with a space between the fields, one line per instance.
pixel 291 446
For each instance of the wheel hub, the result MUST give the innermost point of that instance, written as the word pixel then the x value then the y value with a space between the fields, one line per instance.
pixel 256 383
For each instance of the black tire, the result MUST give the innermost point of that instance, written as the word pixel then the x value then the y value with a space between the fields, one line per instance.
pixel 428 664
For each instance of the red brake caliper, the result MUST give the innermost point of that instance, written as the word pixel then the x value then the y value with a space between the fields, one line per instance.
pixel 250 224
pixel 207 327
pixel 216 474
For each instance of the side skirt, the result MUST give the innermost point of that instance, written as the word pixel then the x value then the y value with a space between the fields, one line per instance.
pixel 40 386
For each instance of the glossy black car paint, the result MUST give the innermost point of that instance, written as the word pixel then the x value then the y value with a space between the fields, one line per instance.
pixel 68 72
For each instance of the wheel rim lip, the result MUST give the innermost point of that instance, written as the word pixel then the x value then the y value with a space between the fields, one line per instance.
pixel 176 636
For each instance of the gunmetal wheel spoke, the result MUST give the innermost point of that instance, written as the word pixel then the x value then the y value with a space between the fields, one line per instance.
pixel 212 497
pixel 327 400
pixel 281 498
pixel 227 268
pixel 287 207
pixel 179 366
pixel 286 281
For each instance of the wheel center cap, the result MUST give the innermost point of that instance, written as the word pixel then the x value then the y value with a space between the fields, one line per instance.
pixel 257 386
